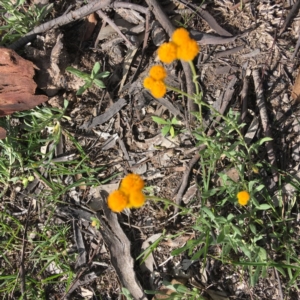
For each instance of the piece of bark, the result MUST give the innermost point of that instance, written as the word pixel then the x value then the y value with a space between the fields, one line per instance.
pixel 2 133
pixel 296 88
pixel 81 260
pixel 90 24
pixel 119 247
pixel 17 86
pixel 106 116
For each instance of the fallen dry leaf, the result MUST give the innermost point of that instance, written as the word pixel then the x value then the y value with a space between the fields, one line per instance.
pixel 296 87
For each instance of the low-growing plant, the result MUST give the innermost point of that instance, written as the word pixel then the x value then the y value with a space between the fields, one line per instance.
pixel 169 125
pixel 20 20
pixel 236 216
pixel 90 79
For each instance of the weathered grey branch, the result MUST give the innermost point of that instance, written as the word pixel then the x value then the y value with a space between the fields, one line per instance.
pixel 62 20
pixel 265 121
pixel 119 247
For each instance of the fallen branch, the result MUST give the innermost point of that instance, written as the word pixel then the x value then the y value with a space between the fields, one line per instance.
pixel 119 247
pixel 62 20
pixel 265 121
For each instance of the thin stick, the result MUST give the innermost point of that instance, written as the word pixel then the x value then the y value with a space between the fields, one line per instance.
pixel 265 121
pixel 185 179
pixel 62 20
pixel 244 98
pixel 105 18
pixel 289 17
pixel 279 284
pixel 22 269
pixel 140 8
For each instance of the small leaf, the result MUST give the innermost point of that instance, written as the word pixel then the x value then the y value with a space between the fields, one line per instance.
pixel 99 83
pixel 263 206
pixel 165 130
pixel 172 132
pixel 263 140
pixel 221 237
pixel 95 70
pixel 102 75
pixel 159 120
pixel 174 121
pixel 78 73
pixel 83 88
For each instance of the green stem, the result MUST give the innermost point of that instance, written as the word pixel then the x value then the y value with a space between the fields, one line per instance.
pixel 200 103
pixel 193 69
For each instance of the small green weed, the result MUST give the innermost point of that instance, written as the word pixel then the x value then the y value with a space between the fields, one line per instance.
pixel 93 78
pixel 20 19
pixel 179 292
pixel 29 152
pixel 169 125
pixel 251 234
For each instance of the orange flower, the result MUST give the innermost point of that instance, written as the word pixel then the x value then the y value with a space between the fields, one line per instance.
pixel 158 89
pixel 180 37
pixel 117 201
pixel 148 82
pixel 158 72
pixel 136 199
pixel 132 182
pixel 167 52
pixel 188 51
pixel 243 197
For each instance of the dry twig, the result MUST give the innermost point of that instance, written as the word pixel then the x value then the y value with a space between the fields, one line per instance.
pixel 289 17
pixel 62 20
pixel 106 19
pixel 244 98
pixel 265 121
pixel 22 269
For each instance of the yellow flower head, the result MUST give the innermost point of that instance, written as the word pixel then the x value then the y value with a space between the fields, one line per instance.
pixel 180 37
pixel 148 82
pixel 158 72
pixel 117 201
pixel 167 52
pixel 132 182
pixel 188 51
pixel 243 197
pixel 158 89
pixel 136 199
